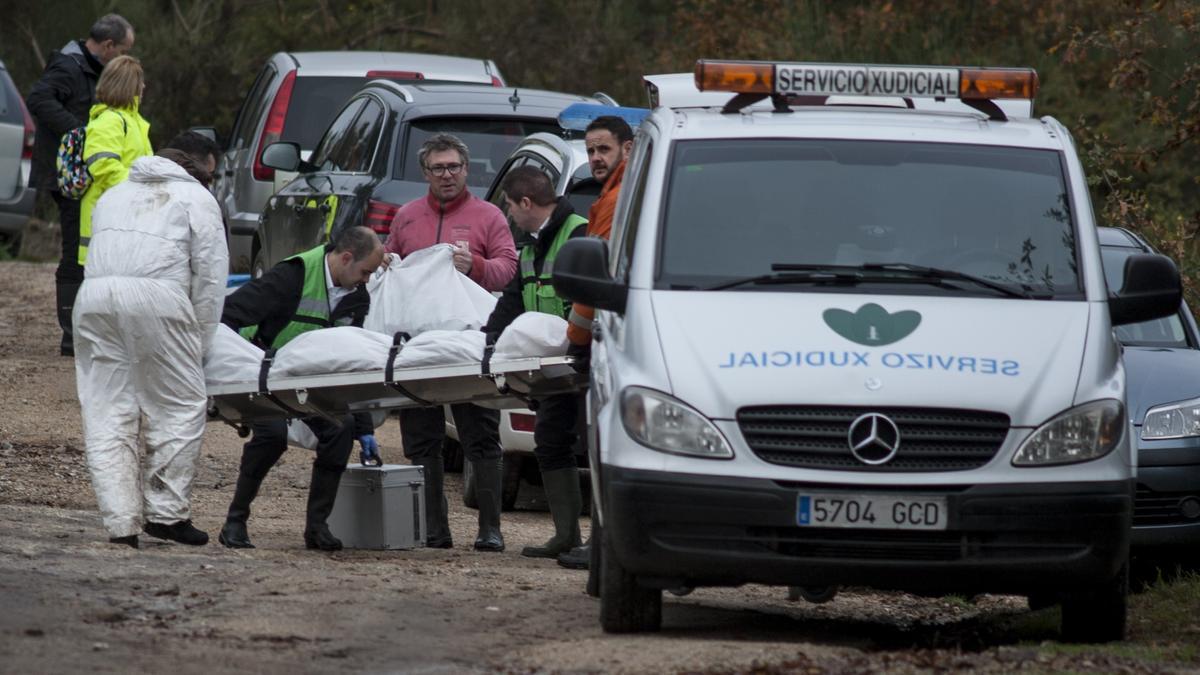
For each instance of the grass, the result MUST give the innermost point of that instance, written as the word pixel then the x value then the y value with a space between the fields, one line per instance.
pixel 1163 627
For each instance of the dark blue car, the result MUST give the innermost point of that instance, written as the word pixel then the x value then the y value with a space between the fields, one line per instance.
pixel 1162 364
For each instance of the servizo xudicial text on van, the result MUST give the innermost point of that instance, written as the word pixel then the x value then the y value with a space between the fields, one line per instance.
pixel 854 330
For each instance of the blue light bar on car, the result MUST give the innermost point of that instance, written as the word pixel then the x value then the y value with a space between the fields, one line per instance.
pixel 578 116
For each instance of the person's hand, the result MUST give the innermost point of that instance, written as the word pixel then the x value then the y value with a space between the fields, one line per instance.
pixel 370 450
pixel 462 259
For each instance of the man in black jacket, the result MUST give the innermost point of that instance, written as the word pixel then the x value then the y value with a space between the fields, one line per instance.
pixel 318 288
pixel 533 208
pixel 60 101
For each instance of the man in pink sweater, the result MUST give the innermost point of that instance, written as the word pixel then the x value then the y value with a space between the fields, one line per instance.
pixel 484 251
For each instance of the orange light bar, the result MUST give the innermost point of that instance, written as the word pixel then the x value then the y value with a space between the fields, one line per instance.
pixel 976 83
pixel 736 76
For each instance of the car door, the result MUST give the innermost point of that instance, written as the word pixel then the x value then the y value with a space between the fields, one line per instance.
pixel 295 218
pixel 355 168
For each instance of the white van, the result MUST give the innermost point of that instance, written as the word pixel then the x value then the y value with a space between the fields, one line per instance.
pixel 862 337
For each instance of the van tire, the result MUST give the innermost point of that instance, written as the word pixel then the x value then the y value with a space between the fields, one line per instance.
pixel 1097 614
pixel 594 555
pixel 625 606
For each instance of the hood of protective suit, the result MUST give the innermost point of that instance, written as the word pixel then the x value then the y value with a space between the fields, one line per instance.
pixel 157 169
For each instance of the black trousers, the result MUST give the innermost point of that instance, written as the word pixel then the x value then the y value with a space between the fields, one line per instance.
pixel 69 270
pixel 556 431
pixel 423 429
pixel 269 442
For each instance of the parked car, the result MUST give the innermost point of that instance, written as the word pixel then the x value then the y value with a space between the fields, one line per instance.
pixel 294 98
pixel 16 149
pixel 1162 369
pixel 365 166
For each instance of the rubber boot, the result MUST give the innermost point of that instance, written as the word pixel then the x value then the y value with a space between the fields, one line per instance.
pixel 489 477
pixel 322 492
pixel 437 519
pixel 233 533
pixel 65 293
pixel 566 505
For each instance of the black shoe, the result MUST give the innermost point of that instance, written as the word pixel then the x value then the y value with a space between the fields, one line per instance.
pixel 577 558
pixel 439 542
pixel 233 535
pixel 130 541
pixel 493 543
pixel 182 531
pixel 322 539
pixel 67 350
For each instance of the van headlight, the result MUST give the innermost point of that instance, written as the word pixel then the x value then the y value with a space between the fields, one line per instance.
pixel 1081 434
pixel 664 423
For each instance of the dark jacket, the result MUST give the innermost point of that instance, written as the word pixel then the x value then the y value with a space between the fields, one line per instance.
pixel 511 305
pixel 270 302
pixel 59 102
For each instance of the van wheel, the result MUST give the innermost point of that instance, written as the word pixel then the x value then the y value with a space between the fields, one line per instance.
pixel 625 607
pixel 470 497
pixel 1097 614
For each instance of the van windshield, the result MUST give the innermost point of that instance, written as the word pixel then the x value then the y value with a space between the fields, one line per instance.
pixel 868 217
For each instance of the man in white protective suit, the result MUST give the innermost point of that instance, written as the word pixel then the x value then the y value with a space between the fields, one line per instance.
pixel 146 313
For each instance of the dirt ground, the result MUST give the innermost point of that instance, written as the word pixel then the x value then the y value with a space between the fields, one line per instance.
pixel 73 602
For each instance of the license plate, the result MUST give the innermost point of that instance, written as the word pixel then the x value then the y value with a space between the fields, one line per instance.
pixel 874 512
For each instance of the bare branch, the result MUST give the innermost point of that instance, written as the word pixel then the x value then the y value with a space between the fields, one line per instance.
pixel 27 29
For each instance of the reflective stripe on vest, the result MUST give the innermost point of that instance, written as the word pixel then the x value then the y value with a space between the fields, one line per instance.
pixel 537 290
pixel 312 312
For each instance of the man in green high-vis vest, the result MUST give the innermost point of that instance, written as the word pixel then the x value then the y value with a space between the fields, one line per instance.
pixel 319 288
pixel 551 222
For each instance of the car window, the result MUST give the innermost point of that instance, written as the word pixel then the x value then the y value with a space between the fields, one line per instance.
pixel 314 102
pixel 625 232
pixel 357 147
pixel 497 196
pixel 252 107
pixel 10 108
pixel 490 142
pixel 332 142
pixel 741 208
pixel 583 193
pixel 1165 332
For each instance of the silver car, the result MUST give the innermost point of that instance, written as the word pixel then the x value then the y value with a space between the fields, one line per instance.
pixel 294 98
pixel 16 148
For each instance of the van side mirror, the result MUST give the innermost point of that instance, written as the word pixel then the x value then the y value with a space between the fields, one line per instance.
pixel 1151 290
pixel 284 156
pixel 581 274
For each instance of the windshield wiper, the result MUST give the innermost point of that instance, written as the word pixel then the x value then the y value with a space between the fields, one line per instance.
pixel 789 273
pixel 796 274
pixel 937 273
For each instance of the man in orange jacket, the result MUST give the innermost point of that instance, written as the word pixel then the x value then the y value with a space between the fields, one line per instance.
pixel 609 140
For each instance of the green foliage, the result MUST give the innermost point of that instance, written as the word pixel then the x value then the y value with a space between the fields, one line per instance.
pixel 1123 75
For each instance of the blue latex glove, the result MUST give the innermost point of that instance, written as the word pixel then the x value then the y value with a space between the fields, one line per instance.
pixel 370 450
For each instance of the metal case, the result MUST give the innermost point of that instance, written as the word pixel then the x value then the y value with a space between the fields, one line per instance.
pixel 380 507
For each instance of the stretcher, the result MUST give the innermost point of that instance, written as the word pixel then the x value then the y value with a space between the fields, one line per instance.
pixel 514 383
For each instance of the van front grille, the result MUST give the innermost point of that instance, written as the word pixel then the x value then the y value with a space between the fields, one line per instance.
pixel 816 437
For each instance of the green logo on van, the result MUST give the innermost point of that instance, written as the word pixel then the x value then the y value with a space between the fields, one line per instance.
pixel 872 325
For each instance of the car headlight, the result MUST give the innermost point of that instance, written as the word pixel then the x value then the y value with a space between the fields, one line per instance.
pixel 1177 420
pixel 664 423
pixel 1081 434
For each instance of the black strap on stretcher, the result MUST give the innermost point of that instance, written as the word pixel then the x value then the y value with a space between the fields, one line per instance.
pixel 398 341
pixel 263 370
pixel 489 348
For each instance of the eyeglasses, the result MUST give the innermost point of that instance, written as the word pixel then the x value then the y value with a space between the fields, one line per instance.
pixel 443 169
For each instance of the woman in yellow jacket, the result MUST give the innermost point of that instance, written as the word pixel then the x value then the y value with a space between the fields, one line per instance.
pixel 116 135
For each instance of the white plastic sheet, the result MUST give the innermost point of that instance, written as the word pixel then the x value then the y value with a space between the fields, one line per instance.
pixel 532 334
pixel 424 292
pixel 232 358
pixel 442 348
pixel 342 349
pixel 299 435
